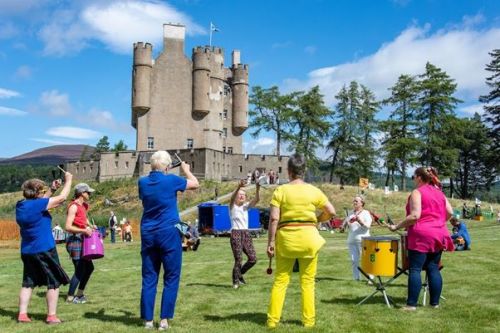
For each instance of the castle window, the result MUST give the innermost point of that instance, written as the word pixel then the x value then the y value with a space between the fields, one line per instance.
pixel 227 89
pixel 190 143
pixel 279 169
pixel 90 167
pixel 151 142
pixel 241 168
pixel 229 150
pixel 192 165
pixel 224 149
pixel 224 132
pixel 116 164
pixel 224 114
pixel 126 164
pixel 84 169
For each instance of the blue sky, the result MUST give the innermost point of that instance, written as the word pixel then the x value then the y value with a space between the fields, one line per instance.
pixel 65 66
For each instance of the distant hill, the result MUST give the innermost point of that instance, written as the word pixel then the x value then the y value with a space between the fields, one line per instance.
pixel 51 155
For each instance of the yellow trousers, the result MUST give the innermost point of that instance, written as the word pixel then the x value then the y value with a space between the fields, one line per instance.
pixel 307 273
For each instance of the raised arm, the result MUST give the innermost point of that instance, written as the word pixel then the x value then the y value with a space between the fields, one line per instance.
pixel 59 199
pixel 241 183
pixel 257 196
pixel 192 181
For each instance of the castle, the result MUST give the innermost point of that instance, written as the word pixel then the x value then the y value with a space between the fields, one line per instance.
pixel 196 108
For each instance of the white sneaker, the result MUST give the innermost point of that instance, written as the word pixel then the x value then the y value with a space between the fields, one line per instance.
pixel 236 286
pixel 163 325
pixel 149 325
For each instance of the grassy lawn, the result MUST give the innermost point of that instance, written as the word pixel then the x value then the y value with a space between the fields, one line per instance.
pixel 207 303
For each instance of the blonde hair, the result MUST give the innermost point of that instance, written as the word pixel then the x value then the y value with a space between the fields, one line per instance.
pixel 160 160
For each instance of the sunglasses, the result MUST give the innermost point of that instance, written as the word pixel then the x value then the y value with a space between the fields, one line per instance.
pixel 413 177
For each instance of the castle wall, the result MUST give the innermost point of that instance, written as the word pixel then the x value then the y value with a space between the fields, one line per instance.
pixel 242 164
pixel 117 165
pixel 83 170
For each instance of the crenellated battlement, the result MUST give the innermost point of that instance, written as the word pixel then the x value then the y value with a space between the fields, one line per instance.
pixel 142 45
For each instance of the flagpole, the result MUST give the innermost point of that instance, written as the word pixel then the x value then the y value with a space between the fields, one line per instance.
pixel 211 34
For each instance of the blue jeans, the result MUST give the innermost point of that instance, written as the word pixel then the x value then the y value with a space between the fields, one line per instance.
pixel 160 247
pixel 112 233
pixel 430 263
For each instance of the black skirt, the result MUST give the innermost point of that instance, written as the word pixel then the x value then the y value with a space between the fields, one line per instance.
pixel 43 269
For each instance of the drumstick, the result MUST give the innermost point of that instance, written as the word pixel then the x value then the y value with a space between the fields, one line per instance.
pixel 269 270
pixel 61 169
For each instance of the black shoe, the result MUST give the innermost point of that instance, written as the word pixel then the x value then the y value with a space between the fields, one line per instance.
pixel 242 280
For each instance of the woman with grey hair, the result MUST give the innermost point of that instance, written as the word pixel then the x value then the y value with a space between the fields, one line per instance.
pixel 358 223
pixel 161 242
pixel 293 235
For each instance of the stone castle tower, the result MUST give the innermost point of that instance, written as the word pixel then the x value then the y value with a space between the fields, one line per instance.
pixel 196 108
pixel 181 103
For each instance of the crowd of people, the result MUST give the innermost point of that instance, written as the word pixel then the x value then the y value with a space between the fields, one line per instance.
pixel 293 237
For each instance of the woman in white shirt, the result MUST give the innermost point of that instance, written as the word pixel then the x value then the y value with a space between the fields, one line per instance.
pixel 241 240
pixel 358 222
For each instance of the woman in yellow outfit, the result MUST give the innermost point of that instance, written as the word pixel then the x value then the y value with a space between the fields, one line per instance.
pixel 293 235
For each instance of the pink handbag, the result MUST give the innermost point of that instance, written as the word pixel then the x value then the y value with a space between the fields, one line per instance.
pixel 93 246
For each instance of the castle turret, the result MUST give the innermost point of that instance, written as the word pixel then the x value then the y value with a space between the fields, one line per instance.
pixel 141 77
pixel 240 95
pixel 201 80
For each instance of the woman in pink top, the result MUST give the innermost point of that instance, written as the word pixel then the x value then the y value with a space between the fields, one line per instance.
pixel 427 211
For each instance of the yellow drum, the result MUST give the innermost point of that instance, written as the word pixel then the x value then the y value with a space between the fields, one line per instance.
pixel 379 255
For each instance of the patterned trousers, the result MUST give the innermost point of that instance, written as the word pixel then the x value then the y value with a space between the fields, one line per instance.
pixel 241 241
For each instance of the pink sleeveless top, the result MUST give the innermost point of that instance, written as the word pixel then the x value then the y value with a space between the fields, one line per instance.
pixel 429 234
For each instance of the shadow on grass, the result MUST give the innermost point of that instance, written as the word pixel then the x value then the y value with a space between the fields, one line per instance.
pixel 13 315
pixel 254 317
pixel 208 285
pixel 376 299
pixel 126 318
pixel 327 278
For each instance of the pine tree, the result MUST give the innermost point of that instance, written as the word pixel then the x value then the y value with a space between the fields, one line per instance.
pixel 435 104
pixel 102 145
pixel 271 113
pixel 400 143
pixel 492 100
pixel 309 124
pixel 120 146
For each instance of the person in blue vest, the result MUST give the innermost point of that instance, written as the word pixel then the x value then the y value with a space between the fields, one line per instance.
pixel 161 242
pixel 461 237
pixel 41 266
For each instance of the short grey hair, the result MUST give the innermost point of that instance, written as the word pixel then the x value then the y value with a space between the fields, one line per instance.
pixel 160 160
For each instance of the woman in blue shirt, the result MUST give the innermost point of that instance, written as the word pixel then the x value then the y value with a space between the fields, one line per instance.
pixel 38 248
pixel 161 241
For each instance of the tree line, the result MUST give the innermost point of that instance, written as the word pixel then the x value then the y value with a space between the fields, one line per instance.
pixel 421 128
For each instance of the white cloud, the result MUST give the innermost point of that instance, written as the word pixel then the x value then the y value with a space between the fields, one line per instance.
pixel 310 49
pixel 23 72
pixel 6 93
pixel 4 111
pixel 262 145
pixel 56 103
pixel 117 24
pixel 460 51
pixel 73 132
pixel 472 109
pixel 104 119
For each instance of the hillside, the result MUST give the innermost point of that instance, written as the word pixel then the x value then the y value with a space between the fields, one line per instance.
pixel 51 155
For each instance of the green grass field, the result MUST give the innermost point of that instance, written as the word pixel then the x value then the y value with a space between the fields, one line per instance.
pixel 207 303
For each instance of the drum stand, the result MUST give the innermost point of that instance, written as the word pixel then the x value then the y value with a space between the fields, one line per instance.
pixel 425 286
pixel 380 287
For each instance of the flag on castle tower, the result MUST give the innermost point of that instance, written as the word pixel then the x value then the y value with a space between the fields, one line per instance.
pixel 213 27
